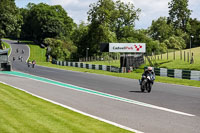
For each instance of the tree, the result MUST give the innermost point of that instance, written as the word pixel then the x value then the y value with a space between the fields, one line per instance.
pixel 79 32
pixel 110 22
pixel 25 31
pixel 101 15
pixel 60 50
pixel 175 42
pixel 101 12
pixel 194 31
pixel 80 38
pixel 98 34
pixel 179 14
pixel 160 30
pixel 43 21
pixel 125 16
pixel 10 19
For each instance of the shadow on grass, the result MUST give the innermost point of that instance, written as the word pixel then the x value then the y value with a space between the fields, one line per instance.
pixel 158 64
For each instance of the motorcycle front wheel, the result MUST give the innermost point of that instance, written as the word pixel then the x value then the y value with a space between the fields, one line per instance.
pixel 149 86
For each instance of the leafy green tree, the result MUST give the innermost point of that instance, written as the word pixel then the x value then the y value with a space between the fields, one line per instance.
pixel 102 12
pixel 80 38
pixel 124 18
pixel 10 19
pixel 160 30
pixel 43 21
pixel 179 14
pixel 98 34
pixel 100 16
pixel 110 22
pixel 162 48
pixel 60 50
pixel 79 32
pixel 175 42
pixel 194 31
pixel 26 33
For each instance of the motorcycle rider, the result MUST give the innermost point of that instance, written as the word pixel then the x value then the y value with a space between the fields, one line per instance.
pixel 33 63
pixel 28 63
pixel 146 73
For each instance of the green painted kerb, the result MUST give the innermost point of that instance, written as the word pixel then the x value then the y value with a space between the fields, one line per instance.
pixel 19 74
pixel 72 87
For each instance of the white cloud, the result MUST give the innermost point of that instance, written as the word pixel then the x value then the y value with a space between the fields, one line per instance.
pixel 152 6
pixel 151 9
pixel 64 2
pixel 69 3
pixel 127 1
pixel 194 6
pixel 76 9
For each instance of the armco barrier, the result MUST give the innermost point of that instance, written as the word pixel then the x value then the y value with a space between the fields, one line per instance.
pixel 170 73
pixel 195 75
pixel 176 73
pixel 186 74
pixel 157 71
pixel 88 66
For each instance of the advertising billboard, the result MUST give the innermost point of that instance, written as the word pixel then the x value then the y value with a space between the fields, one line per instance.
pixel 127 47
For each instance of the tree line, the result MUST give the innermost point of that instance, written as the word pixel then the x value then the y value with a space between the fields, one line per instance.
pixel 108 21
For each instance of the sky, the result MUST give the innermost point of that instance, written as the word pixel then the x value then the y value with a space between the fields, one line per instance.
pixel 150 9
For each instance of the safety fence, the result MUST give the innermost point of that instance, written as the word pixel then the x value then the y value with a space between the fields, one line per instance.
pixel 173 73
pixel 178 73
pixel 88 66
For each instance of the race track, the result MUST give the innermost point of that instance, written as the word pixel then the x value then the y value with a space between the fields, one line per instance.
pixel 144 118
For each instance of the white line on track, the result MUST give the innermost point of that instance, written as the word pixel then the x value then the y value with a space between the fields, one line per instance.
pixel 75 110
pixel 117 77
pixel 28 52
pixel 106 95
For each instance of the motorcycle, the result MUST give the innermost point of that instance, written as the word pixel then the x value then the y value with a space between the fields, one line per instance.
pixel 147 83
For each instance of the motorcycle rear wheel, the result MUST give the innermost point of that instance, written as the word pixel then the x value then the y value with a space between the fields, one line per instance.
pixel 143 86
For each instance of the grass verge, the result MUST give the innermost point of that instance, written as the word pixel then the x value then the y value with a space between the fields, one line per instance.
pixel 37 53
pixel 6 45
pixel 180 61
pixel 22 112
pixel 133 75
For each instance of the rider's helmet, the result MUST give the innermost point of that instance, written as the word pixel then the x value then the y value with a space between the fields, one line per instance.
pixel 149 69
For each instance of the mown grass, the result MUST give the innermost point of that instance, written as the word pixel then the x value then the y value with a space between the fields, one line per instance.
pixel 38 54
pixel 136 74
pixel 22 112
pixel 6 45
pixel 179 63
pixel 170 63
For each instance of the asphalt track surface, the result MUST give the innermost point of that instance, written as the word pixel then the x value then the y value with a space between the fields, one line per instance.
pixel 146 119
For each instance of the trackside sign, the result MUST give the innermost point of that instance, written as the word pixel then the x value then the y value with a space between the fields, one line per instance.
pixel 127 47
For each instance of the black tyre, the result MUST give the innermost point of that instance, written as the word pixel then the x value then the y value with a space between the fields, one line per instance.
pixel 142 86
pixel 149 87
